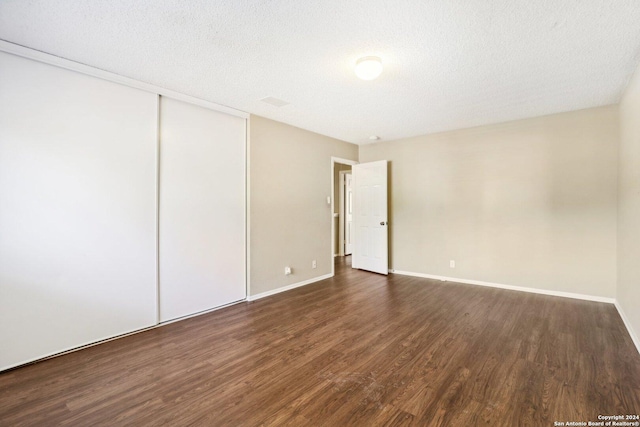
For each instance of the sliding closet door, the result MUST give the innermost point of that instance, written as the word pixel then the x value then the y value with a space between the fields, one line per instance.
pixel 202 209
pixel 77 209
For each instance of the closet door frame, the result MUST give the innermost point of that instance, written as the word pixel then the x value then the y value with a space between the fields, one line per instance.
pixel 66 64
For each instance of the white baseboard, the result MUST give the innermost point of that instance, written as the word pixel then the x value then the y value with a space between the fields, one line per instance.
pixel 509 287
pixel 627 323
pixel 288 287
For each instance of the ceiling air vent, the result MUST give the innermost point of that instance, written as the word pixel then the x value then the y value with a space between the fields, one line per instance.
pixel 274 101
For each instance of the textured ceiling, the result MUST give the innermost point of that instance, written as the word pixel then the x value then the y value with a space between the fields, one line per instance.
pixel 449 64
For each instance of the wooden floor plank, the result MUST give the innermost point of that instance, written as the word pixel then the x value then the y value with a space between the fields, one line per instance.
pixel 357 349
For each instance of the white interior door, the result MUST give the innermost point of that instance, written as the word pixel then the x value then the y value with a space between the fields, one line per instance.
pixel 202 209
pixel 370 250
pixel 348 214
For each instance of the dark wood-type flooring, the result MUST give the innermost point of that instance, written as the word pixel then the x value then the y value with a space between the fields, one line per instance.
pixel 358 349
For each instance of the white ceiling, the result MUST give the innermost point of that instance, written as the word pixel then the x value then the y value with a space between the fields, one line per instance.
pixel 449 64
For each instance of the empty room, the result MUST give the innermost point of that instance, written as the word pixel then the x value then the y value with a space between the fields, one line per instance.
pixel 320 213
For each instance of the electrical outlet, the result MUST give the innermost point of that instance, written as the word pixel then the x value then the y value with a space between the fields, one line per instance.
pixel 287 271
pixel 314 264
pixel 452 264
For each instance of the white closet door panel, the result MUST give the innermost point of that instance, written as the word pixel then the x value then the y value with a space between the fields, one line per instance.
pixel 77 210
pixel 202 209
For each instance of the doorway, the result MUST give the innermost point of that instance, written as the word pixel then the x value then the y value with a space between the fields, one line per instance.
pixel 345 212
pixel 339 169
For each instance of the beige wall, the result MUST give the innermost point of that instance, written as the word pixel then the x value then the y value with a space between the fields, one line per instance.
pixel 527 203
pixel 290 220
pixel 629 205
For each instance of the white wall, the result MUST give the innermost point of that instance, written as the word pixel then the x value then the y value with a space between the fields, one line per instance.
pixel 530 203
pixel 629 207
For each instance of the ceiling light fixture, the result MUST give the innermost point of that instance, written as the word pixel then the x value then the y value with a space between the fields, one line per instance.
pixel 368 67
pixel 374 137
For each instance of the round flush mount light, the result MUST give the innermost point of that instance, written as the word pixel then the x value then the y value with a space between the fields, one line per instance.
pixel 368 67
pixel 374 137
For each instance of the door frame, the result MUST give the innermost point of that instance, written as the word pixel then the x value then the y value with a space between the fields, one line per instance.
pixel 335 160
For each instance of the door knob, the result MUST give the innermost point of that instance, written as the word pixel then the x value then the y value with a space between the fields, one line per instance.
pixel 383 223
